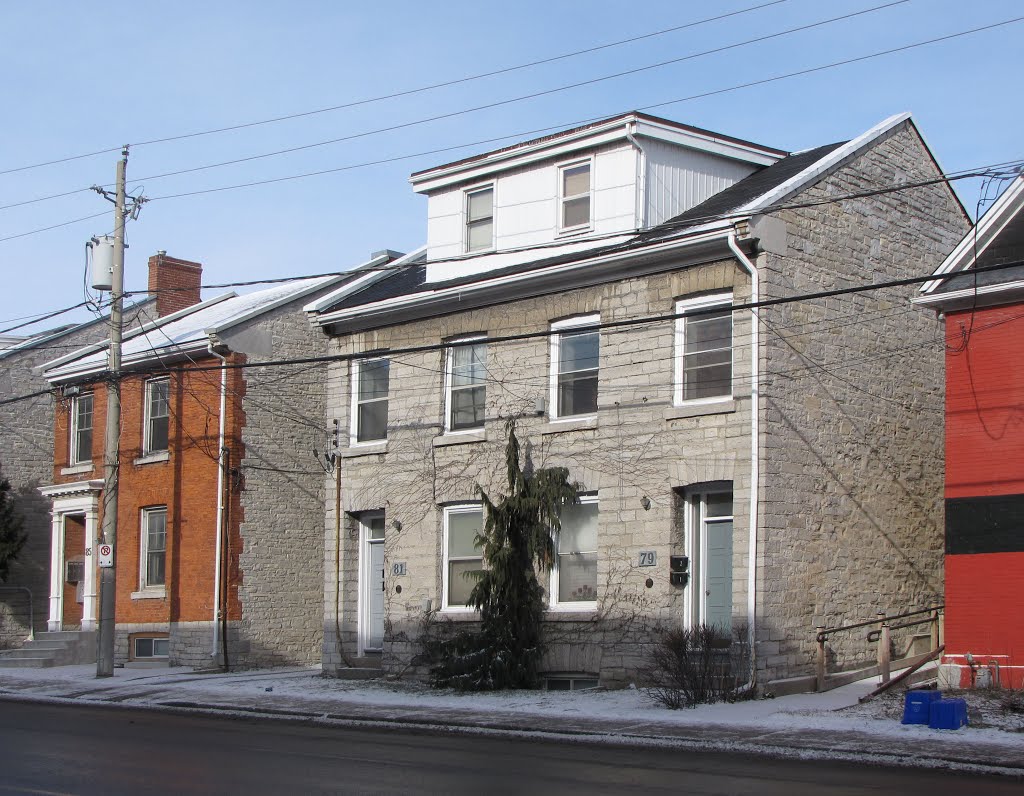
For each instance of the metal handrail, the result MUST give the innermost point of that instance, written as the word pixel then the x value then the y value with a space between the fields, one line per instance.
pixel 823 634
pixel 31 615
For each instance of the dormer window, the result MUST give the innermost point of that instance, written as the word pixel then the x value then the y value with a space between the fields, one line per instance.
pixel 574 196
pixel 480 219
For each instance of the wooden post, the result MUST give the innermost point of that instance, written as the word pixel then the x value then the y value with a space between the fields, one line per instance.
pixel 935 625
pixel 884 652
pixel 820 678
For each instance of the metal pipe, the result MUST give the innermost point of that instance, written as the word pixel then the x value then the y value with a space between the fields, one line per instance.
pixel 755 460
pixel 215 642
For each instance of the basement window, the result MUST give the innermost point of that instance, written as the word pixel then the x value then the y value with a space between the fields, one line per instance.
pixel 571 682
pixel 150 647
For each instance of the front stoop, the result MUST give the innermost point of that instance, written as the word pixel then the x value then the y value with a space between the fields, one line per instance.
pixel 58 648
pixel 366 668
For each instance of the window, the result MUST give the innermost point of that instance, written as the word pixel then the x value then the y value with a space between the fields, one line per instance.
pixel 467 390
pixel 81 429
pixel 155 433
pixel 704 349
pixel 574 577
pixel 574 359
pixel 370 394
pixel 462 556
pixel 150 647
pixel 153 550
pixel 574 196
pixel 480 219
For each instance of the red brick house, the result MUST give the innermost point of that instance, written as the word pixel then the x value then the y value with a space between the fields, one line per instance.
pixel 983 313
pixel 181 541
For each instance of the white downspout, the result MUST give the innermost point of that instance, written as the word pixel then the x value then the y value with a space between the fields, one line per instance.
pixel 215 648
pixel 755 459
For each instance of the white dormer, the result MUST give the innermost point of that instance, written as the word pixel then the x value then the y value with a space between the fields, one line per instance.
pixel 577 188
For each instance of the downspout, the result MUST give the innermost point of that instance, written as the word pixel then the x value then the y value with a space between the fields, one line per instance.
pixel 640 211
pixel 755 459
pixel 215 641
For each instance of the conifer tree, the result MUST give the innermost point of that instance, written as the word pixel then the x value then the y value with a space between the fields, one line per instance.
pixel 516 542
pixel 11 537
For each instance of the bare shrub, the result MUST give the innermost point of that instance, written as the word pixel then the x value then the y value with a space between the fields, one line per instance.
pixel 698 665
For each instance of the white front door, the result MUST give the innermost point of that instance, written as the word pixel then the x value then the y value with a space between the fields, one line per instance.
pixel 711 551
pixel 371 590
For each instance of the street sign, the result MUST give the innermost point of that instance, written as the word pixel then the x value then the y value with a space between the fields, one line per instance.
pixel 106 552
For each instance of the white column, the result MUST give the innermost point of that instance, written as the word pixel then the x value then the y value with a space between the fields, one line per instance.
pixel 56 617
pixel 89 590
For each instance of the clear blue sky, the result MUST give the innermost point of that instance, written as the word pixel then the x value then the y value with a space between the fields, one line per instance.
pixel 79 77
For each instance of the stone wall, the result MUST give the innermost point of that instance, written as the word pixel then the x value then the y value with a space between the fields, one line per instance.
pixel 283 497
pixel 852 423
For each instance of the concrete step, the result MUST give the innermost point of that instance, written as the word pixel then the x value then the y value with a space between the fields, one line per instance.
pixel 26 663
pixel 360 673
pixel 28 651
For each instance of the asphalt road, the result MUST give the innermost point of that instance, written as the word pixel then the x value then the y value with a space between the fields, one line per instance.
pixel 73 749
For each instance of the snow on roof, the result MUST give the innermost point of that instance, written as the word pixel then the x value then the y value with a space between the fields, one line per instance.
pixel 186 331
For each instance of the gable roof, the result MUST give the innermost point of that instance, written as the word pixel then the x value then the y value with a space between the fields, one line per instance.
pixel 997 238
pixel 183 333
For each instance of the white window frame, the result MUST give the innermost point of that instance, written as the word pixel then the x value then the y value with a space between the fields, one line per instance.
pixel 466 194
pixel 356 368
pixel 148 417
pixel 562 198
pixel 154 656
pixel 144 584
pixel 695 608
pixel 449 387
pixel 75 453
pixel 558 329
pixel 366 539
pixel 713 301
pixel 582 605
pixel 461 508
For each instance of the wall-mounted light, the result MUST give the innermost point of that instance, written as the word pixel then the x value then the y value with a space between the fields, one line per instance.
pixel 396 524
pixel 646 503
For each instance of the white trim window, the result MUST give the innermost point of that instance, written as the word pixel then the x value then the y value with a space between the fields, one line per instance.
pixel 153 549
pixel 147 647
pixel 479 212
pixel 574 576
pixel 462 554
pixel 575 359
pixel 574 196
pixel 466 379
pixel 370 385
pixel 156 424
pixel 81 429
pixel 704 349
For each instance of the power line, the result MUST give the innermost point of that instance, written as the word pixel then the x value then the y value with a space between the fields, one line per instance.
pixel 397 94
pixel 52 226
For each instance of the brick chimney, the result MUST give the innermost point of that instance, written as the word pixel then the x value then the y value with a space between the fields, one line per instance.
pixel 175 283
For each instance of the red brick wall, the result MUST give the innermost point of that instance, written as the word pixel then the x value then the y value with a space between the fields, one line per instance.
pixel 186 484
pixel 985 457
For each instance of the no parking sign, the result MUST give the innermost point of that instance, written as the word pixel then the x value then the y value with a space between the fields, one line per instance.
pixel 106 552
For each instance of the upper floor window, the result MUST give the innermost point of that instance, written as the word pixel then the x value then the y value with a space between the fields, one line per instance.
pixel 574 576
pixel 153 548
pixel 575 356
pixel 467 389
pixel 574 196
pixel 480 219
pixel 704 348
pixel 157 415
pixel 81 429
pixel 370 399
pixel 462 555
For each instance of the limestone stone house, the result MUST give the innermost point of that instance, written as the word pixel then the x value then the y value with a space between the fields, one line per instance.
pixel 763 470
pixel 220 498
pixel 983 315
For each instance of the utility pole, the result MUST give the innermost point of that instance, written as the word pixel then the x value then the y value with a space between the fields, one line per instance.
pixel 112 438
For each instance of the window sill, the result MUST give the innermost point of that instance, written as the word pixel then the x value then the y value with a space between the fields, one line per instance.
pixel 153 458
pixel 456 614
pixel 460 438
pixel 77 469
pixel 571 612
pixel 368 449
pixel 157 593
pixel 720 406
pixel 559 425
pixel 572 231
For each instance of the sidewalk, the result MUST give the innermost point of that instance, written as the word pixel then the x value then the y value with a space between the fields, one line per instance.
pixel 831 725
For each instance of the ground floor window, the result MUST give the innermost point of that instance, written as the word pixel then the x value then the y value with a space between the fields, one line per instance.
pixel 463 557
pixel 147 647
pixel 574 576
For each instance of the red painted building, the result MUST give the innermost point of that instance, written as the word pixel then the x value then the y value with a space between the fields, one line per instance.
pixel 979 293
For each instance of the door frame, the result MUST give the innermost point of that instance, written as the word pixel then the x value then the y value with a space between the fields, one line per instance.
pixel 365 576
pixel 695 602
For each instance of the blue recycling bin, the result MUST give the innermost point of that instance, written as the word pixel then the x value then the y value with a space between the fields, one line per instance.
pixel 947 714
pixel 916 706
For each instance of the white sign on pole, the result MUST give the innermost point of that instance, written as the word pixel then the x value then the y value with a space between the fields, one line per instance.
pixel 106 552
